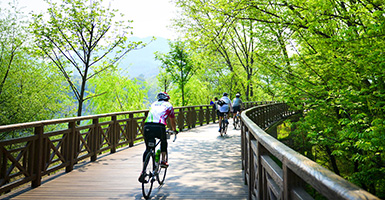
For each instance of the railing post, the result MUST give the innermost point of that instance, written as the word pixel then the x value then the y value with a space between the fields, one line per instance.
pixel 262 180
pixel 246 156
pixel 132 130
pixel 191 117
pixel 214 115
pixel 243 145
pixel 70 146
pixel 181 119
pixel 288 177
pixel 144 121
pixel 208 112
pixel 37 163
pixel 201 115
pixel 95 135
pixel 113 136
pixel 250 165
pixel 3 163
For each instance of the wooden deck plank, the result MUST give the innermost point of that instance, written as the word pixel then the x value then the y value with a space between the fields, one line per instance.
pixel 202 166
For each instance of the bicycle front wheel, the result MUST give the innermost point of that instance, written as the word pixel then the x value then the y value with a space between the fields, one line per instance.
pixel 148 169
pixel 162 173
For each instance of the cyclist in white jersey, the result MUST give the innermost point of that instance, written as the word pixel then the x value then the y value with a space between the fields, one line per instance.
pixel 155 124
pixel 224 108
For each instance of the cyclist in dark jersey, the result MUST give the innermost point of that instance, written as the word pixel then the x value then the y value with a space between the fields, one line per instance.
pixel 155 124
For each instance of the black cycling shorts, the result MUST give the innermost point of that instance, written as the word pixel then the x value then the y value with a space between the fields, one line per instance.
pixel 236 109
pixel 152 131
pixel 222 114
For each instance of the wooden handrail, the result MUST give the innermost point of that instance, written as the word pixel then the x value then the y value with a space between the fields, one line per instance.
pixel 287 179
pixel 53 145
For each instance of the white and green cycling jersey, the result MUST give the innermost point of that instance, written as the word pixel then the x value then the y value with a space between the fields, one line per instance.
pixel 159 112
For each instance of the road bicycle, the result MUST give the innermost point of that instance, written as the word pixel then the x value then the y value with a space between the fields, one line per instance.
pixel 224 125
pixel 152 170
pixel 237 121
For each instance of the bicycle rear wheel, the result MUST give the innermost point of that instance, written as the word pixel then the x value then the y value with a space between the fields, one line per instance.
pixel 162 173
pixel 238 123
pixel 148 168
pixel 224 127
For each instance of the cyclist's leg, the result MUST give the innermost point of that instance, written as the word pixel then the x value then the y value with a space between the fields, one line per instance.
pixel 220 120
pixel 226 121
pixel 149 139
pixel 163 145
pixel 162 170
pixel 234 113
pixel 235 110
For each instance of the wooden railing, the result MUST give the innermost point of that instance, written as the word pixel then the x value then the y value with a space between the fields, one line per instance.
pixel 274 171
pixel 53 145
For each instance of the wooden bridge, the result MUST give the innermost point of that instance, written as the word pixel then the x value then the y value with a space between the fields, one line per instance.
pixel 202 165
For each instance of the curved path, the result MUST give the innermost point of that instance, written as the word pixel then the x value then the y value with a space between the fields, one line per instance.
pixel 202 166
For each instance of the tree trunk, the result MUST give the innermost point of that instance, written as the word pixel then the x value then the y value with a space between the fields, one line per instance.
pixel 182 87
pixel 333 161
pixel 248 89
pixel 82 91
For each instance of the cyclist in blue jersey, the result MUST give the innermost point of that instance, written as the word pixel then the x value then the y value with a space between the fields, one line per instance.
pixel 237 106
pixel 155 124
pixel 224 105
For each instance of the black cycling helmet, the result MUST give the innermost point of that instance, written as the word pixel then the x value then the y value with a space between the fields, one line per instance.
pixel 225 94
pixel 238 95
pixel 163 96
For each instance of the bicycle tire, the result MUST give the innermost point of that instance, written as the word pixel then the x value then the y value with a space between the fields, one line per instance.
pixel 148 168
pixel 223 127
pixel 235 123
pixel 238 123
pixel 161 176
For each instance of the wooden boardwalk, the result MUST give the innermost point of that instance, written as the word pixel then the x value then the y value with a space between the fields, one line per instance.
pixel 202 166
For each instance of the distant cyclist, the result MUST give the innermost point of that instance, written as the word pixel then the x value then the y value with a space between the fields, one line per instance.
pixel 224 105
pixel 237 106
pixel 155 124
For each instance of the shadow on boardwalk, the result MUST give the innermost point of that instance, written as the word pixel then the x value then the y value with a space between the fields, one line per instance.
pixel 203 165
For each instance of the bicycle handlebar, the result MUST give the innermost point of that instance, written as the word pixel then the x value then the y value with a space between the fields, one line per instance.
pixel 173 132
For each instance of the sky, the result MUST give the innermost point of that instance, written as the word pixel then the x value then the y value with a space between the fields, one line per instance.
pixel 151 17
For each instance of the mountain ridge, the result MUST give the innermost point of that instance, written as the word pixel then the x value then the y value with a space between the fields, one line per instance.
pixel 141 62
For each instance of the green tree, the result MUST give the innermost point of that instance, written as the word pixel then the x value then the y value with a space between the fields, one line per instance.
pixel 29 90
pixel 236 40
pixel 164 81
pixel 82 40
pixel 179 64
pixel 334 74
pixel 120 93
pixel 322 57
